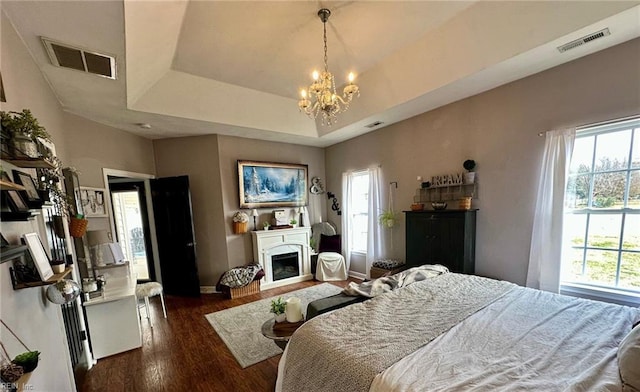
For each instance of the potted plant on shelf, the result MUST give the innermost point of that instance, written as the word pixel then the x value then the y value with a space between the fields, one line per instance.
pixel 240 220
pixel 293 222
pixel 278 307
pixel 470 175
pixel 266 225
pixel 25 135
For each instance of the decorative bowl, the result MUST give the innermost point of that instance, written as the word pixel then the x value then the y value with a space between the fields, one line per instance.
pixel 439 205
pixel 417 207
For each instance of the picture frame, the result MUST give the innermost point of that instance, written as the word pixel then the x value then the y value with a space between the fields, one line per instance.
pixel 30 194
pixel 39 255
pixel 91 201
pixel 16 202
pixel 271 184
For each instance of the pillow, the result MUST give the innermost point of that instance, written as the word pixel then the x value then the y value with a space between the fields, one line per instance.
pixel 629 360
pixel 330 243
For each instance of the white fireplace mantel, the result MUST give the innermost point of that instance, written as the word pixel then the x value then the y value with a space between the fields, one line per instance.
pixel 267 243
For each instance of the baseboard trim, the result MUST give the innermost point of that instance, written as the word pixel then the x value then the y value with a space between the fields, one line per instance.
pixel 357 275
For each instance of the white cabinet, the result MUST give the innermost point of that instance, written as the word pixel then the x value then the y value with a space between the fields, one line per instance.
pixel 114 325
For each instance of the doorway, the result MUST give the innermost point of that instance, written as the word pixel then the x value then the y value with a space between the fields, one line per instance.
pixel 131 220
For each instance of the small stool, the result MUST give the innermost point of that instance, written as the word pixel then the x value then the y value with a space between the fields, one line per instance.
pixel 150 289
pixel 331 266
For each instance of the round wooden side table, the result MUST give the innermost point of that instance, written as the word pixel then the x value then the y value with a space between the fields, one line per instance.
pixel 280 334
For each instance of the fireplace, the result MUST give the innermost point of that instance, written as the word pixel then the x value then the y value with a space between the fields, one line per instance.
pixel 285 265
pixel 284 254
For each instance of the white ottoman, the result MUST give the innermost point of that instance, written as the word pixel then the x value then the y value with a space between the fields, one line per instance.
pixel 331 266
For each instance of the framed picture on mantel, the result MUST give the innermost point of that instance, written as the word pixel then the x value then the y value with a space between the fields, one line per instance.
pixel 268 184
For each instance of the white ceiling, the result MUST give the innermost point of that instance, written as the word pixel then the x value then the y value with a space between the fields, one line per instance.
pixel 235 67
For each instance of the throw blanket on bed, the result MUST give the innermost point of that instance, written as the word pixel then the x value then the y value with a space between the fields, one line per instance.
pixel 389 283
pixel 350 346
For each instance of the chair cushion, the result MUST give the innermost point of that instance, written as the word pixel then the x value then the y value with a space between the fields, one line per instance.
pixel 330 243
pixel 148 289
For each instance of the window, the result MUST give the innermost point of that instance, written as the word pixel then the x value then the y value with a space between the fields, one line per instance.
pixel 602 210
pixel 359 211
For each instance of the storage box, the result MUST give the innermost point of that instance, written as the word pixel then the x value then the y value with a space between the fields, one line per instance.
pixel 238 292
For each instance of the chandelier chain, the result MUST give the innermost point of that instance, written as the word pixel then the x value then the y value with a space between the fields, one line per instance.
pixel 326 58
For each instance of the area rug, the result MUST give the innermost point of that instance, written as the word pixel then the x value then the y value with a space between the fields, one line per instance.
pixel 240 327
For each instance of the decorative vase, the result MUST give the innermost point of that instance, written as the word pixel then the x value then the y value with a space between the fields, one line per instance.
pixel 239 227
pixel 469 177
pixel 280 317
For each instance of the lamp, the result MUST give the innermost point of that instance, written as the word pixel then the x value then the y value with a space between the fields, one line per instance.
pixel 321 98
pixel 103 250
pixel 254 214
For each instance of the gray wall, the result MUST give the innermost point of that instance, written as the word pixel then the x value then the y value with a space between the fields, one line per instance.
pixel 499 129
pixel 211 164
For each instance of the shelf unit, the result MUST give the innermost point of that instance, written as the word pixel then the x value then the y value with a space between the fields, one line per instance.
pixel 26 162
pixel 10 186
pixel 55 278
pixel 446 193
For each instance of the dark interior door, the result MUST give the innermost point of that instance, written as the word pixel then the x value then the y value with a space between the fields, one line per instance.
pixel 174 231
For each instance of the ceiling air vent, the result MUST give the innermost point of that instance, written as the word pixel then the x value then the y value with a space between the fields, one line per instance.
pixel 584 40
pixel 67 56
pixel 374 124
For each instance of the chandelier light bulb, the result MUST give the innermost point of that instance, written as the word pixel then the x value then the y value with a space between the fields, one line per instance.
pixel 322 98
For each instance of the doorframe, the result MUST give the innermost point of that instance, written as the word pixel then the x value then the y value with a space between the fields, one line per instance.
pixel 152 222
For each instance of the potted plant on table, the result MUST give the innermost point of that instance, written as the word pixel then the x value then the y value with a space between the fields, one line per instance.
pixel 293 222
pixel 278 307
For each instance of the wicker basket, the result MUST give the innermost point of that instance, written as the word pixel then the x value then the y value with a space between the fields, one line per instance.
pixel 465 203
pixel 239 227
pixel 77 227
pixel 376 272
pixel 237 292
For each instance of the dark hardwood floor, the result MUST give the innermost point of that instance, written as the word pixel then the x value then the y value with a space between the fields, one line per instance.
pixel 184 353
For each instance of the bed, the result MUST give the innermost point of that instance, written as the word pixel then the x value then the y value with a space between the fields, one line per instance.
pixel 454 332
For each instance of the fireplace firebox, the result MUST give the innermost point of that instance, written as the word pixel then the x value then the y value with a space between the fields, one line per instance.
pixel 285 265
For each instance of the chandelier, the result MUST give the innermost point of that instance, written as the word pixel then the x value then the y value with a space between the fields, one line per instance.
pixel 321 97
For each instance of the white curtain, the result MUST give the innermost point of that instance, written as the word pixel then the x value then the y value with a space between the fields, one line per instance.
pixel 346 222
pixel 375 233
pixel 546 238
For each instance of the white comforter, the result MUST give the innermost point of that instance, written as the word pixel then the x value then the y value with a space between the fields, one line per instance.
pixel 527 340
